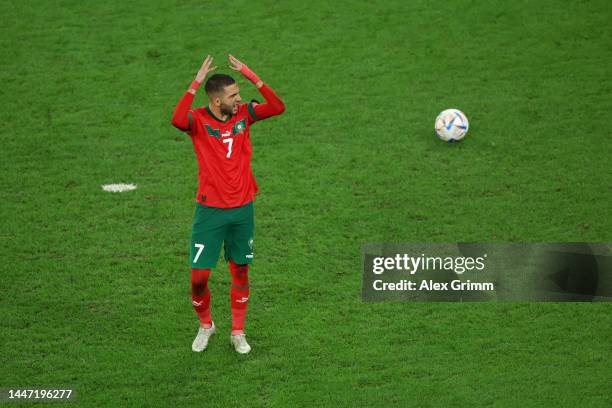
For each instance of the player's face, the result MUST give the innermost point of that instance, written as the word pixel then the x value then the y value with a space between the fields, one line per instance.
pixel 230 99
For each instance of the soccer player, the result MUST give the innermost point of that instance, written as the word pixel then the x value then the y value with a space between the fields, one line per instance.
pixel 220 133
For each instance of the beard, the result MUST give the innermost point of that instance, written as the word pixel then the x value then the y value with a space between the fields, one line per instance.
pixel 227 110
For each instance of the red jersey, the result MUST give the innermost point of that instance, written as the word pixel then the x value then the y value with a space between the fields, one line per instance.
pixel 223 150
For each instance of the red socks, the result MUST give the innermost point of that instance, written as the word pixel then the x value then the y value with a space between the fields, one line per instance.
pixel 200 295
pixel 239 295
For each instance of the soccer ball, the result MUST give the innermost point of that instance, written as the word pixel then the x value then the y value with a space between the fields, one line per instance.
pixel 451 125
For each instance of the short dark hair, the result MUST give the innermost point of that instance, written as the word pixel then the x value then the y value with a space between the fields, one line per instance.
pixel 217 82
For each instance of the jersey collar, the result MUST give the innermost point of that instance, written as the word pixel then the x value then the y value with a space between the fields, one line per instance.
pixel 216 118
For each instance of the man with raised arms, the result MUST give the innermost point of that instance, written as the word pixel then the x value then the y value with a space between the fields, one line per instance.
pixel 220 133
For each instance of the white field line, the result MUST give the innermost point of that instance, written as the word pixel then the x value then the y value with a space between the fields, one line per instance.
pixel 118 188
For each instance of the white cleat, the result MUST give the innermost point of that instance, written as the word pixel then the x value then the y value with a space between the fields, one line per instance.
pixel 201 341
pixel 240 344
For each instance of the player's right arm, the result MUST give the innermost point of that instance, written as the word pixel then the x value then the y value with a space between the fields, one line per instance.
pixel 181 118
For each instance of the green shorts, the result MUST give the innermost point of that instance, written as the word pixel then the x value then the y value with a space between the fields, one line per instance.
pixel 233 227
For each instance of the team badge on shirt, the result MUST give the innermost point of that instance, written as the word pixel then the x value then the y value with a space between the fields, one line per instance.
pixel 239 127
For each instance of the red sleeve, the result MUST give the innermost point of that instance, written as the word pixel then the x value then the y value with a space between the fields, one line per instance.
pixel 180 118
pixel 272 107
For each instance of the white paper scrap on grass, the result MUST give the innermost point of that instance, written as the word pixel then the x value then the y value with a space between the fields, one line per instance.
pixel 118 188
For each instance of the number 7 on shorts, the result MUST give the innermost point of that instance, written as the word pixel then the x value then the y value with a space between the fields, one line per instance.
pixel 200 249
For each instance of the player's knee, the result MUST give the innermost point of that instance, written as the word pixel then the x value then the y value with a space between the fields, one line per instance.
pixel 241 274
pixel 198 288
pixel 199 281
pixel 238 269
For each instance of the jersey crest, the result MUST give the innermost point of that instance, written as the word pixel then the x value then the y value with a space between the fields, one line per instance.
pixel 239 127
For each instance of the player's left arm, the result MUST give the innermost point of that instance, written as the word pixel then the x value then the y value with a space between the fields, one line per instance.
pixel 272 106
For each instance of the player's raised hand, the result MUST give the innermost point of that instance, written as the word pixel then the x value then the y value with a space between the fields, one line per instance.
pixel 205 69
pixel 236 65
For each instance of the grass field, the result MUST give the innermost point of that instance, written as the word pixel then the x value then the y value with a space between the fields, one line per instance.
pixel 95 293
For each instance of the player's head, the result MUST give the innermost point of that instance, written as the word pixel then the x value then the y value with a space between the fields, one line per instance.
pixel 223 92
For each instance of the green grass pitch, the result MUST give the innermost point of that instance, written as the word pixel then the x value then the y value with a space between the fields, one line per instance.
pixel 95 286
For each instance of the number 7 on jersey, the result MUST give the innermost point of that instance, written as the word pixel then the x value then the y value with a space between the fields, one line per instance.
pixel 229 140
